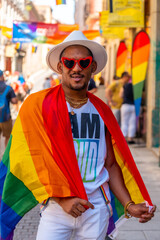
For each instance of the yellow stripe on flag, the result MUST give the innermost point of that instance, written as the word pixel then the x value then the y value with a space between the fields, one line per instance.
pixel 17 157
pixel 139 73
pixel 129 179
pixel 120 70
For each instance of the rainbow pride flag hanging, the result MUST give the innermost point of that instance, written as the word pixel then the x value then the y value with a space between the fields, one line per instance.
pixel 34 48
pixel 34 167
pixel 139 63
pixel 58 2
pixel 18 46
pixel 121 58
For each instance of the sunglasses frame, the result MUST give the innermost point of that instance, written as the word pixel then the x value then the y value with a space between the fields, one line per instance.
pixel 77 61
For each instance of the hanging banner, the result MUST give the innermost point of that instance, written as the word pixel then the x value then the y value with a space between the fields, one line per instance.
pixel 139 63
pixel 27 32
pixel 121 58
pixel 107 31
pixel 126 13
pixel 67 27
pixel 91 34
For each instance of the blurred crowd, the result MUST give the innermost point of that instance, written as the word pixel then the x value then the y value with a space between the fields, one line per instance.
pixel 21 86
pixel 53 80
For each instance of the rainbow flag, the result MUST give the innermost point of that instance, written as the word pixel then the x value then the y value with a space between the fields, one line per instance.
pixel 121 58
pixel 34 49
pixel 58 2
pixel 34 167
pixel 18 46
pixel 140 57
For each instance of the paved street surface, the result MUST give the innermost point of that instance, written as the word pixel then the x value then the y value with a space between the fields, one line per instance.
pixel 147 163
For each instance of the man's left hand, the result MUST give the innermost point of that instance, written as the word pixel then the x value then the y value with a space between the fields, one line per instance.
pixel 141 211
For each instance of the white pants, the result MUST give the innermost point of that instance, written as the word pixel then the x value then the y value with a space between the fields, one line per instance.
pixel 55 224
pixel 128 120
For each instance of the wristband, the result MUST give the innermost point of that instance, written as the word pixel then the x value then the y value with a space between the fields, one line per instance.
pixel 127 215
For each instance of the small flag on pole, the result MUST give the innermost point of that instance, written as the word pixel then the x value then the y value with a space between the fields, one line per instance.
pixel 34 49
pixel 18 46
pixel 58 2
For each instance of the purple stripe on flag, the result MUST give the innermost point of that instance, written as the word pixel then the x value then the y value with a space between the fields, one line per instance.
pixel 111 226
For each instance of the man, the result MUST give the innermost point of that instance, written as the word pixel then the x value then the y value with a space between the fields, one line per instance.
pixel 7 95
pixel 113 94
pixel 66 138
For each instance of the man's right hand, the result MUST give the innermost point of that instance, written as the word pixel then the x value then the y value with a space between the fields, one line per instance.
pixel 74 206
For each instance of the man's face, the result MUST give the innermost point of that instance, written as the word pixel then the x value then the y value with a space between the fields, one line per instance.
pixel 76 78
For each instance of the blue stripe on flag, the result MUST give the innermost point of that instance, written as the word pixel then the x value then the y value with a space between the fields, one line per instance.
pixel 137 103
pixel 8 220
pixel 3 171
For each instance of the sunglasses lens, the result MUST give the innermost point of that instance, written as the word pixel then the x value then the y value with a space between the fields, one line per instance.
pixel 69 63
pixel 85 63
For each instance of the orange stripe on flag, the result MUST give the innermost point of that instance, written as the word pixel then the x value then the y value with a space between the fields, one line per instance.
pixel 121 59
pixel 140 55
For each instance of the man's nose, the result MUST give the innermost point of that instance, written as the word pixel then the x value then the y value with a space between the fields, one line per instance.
pixel 77 67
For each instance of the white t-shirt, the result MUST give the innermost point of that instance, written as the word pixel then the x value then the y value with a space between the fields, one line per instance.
pixel 88 132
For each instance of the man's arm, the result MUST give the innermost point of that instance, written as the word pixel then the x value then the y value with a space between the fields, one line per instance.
pixel 14 100
pixel 93 90
pixel 117 186
pixel 109 93
pixel 12 96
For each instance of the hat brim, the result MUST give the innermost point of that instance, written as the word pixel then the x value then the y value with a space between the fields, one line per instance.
pixel 98 51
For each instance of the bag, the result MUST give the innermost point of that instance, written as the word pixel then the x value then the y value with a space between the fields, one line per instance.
pixel 4 106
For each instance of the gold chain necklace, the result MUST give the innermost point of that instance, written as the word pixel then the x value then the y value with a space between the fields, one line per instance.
pixel 74 103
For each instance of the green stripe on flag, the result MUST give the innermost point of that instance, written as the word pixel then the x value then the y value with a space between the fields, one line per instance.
pixel 137 90
pixel 119 208
pixel 15 194
pixel 5 158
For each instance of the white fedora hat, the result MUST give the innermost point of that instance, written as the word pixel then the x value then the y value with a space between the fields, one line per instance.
pixel 77 38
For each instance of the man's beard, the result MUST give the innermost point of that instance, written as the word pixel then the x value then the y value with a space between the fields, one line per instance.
pixel 79 88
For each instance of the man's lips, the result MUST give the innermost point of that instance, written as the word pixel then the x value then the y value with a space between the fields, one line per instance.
pixel 77 77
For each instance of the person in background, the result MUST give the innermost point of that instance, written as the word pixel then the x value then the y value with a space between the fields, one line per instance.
pixel 101 81
pixel 128 113
pixel 92 88
pixel 113 95
pixel 115 77
pixel 47 83
pixel 7 96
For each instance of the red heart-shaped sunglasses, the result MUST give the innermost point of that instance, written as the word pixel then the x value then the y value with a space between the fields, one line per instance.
pixel 82 62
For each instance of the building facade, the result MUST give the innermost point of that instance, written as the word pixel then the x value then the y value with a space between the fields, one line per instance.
pixel 12 58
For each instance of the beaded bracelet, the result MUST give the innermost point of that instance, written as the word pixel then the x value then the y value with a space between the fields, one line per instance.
pixel 127 215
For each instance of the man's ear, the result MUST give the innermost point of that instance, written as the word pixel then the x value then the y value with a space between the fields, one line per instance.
pixel 94 66
pixel 59 67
